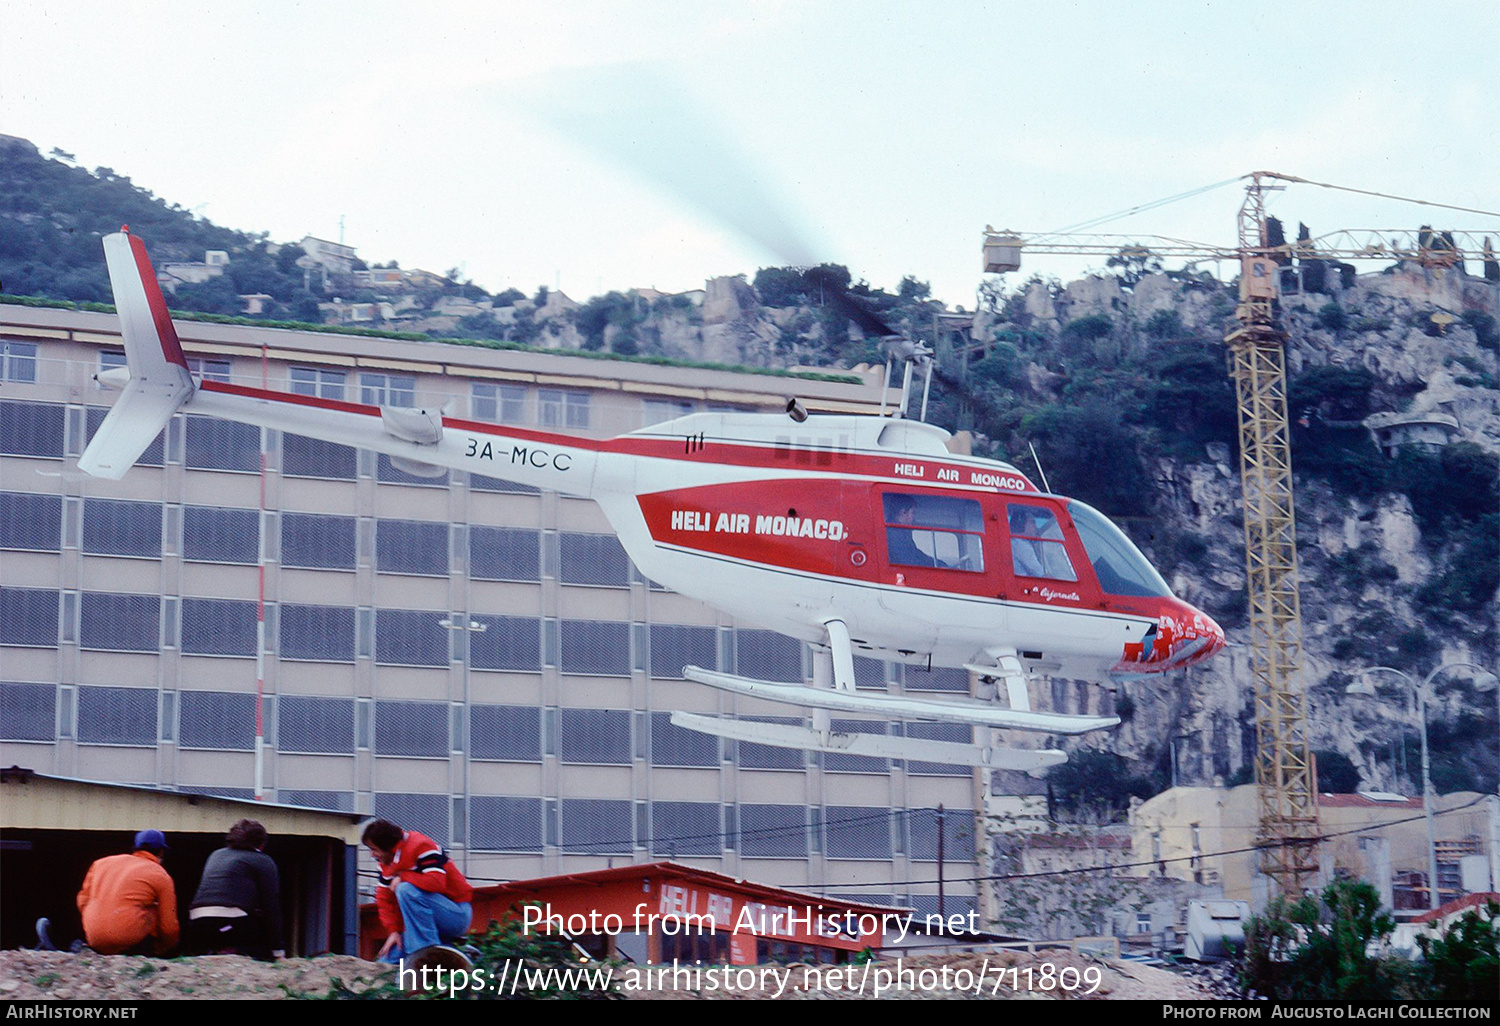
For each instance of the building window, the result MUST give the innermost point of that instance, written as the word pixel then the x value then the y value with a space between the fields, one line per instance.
pixel 773 831
pixel 594 736
pixel 504 554
pixel 411 728
pixel 28 617
pixel 685 828
pixel 28 712
pixel 320 633
pixel 115 527
pixel 17 361
pixel 506 824
pixel 568 410
pixel 595 826
pixel 221 445
pixel 594 647
pixel 214 719
pixel 208 370
pixel 857 832
pixel 317 381
pixel 317 541
pixel 766 655
pixel 503 404
pixel 411 547
pixel 313 457
pixel 120 623
pixel 594 559
pixel 958 834
pixel 506 643
pixel 315 725
pixel 30 522
pixel 677 746
pixel 512 733
pixel 213 534
pixel 388 390
pixel 31 429
pixel 218 627
pixel 408 637
pixel 674 647
pixel 117 716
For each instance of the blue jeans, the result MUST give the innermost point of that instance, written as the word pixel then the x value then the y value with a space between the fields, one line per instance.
pixel 430 918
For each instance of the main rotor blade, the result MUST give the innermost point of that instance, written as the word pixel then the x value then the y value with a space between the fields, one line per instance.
pixel 633 116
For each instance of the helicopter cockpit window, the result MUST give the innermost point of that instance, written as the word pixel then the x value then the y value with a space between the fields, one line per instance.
pixel 1119 565
pixel 1036 543
pixel 933 530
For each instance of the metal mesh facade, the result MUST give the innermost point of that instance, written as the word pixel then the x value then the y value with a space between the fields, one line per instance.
pixel 28 712
pixel 507 732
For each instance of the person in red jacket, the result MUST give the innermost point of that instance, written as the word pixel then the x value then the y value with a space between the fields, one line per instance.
pixel 129 903
pixel 423 899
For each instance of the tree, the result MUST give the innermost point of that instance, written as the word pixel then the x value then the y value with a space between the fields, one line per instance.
pixel 1463 965
pixel 1317 948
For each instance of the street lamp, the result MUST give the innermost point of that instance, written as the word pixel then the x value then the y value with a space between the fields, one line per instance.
pixel 1420 692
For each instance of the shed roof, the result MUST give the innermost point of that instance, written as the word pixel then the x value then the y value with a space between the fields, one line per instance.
pixel 38 801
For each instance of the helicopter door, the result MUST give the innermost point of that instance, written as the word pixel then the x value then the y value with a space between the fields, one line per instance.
pixel 934 565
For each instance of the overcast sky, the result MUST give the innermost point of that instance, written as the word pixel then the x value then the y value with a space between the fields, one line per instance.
pixel 601 146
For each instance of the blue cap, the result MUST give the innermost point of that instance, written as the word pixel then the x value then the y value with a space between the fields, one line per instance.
pixel 150 839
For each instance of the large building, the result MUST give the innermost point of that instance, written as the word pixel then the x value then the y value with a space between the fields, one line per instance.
pixel 470 658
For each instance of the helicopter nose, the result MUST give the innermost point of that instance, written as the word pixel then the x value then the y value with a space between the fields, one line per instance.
pixel 1201 638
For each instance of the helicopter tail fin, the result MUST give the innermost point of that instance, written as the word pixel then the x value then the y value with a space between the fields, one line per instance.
pixel 159 382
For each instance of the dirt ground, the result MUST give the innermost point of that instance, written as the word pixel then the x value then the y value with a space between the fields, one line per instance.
pixel 55 975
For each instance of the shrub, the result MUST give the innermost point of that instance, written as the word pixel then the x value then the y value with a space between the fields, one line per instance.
pixel 1317 949
pixel 1333 317
pixel 1464 964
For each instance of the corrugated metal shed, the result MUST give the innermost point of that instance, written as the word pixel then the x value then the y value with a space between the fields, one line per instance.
pixel 53 828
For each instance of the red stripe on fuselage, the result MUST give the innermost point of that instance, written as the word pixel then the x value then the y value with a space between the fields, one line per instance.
pixel 171 348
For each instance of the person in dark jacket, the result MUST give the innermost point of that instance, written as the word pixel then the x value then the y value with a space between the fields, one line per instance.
pixel 238 905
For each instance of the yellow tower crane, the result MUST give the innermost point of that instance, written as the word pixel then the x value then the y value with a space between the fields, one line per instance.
pixel 1285 773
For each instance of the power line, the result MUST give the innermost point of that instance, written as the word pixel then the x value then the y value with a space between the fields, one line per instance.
pixel 1381 195
pixel 1077 871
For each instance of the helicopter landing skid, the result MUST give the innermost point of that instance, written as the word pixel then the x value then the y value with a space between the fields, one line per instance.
pixel 877 746
pixel 977 714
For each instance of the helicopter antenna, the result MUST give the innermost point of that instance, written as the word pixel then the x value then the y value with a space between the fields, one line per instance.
pixel 926 388
pixel 1039 470
pixel 885 389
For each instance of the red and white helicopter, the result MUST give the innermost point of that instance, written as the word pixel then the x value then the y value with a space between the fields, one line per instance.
pixel 860 534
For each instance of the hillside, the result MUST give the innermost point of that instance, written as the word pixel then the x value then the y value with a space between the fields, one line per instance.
pixel 1120 383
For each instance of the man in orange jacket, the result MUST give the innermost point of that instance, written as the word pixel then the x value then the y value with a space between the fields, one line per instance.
pixel 128 902
pixel 423 899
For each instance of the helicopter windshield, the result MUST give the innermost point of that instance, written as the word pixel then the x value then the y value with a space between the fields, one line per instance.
pixel 1119 565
